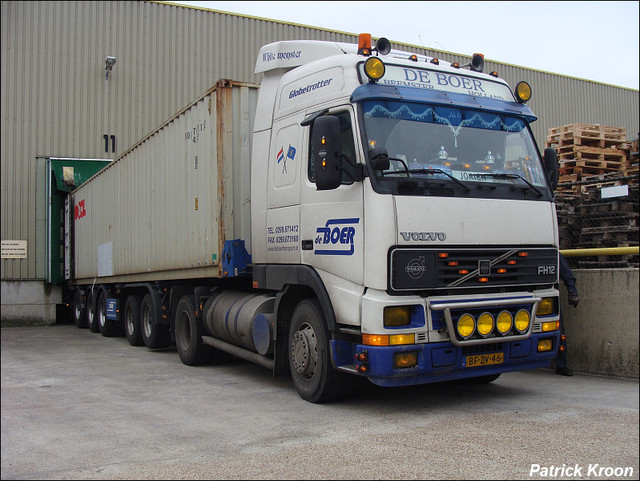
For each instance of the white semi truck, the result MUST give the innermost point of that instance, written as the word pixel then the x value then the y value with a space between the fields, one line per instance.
pixel 364 212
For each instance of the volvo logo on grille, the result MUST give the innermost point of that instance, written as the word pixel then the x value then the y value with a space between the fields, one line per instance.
pixel 416 267
pixel 484 267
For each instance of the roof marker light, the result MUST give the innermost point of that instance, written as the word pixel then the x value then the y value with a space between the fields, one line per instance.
pixel 364 44
pixel 413 57
pixel 435 61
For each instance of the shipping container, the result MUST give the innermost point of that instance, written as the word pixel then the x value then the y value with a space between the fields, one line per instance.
pixel 164 208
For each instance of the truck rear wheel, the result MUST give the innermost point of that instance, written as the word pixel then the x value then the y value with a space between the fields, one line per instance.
pixel 79 315
pixel 92 320
pixel 313 376
pixel 154 335
pixel 189 331
pixel 108 327
pixel 132 327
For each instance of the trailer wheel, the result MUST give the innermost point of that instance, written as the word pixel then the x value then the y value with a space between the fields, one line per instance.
pixel 132 320
pixel 108 327
pixel 92 320
pixel 79 315
pixel 314 377
pixel 154 335
pixel 189 331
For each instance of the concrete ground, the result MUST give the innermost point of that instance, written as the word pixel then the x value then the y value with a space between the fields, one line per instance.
pixel 76 405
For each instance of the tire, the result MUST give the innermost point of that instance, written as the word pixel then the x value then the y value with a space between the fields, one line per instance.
pixel 154 335
pixel 77 311
pixel 132 328
pixel 189 331
pixel 92 320
pixel 313 375
pixel 108 327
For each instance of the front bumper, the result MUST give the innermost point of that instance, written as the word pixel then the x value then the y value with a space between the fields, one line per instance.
pixel 443 361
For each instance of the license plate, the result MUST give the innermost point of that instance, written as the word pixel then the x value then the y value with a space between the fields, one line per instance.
pixel 484 359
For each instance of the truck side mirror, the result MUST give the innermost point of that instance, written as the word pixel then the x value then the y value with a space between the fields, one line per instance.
pixel 379 158
pixel 325 145
pixel 551 165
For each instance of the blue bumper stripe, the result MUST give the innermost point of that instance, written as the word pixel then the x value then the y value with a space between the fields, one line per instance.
pixel 441 361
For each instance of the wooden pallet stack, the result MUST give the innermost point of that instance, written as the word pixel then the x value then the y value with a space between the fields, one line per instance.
pixel 587 220
pixel 588 149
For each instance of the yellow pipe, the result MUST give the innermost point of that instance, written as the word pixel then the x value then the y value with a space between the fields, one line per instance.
pixel 604 251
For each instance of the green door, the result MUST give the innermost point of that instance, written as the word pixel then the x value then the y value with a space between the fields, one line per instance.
pixel 63 176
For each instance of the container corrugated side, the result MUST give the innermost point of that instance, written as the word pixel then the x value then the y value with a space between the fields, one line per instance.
pixel 165 207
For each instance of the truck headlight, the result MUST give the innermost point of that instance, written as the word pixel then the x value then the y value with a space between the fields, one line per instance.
pixel 395 316
pixel 546 307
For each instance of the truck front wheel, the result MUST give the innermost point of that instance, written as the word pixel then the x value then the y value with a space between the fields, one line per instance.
pixel 154 335
pixel 313 376
pixel 189 332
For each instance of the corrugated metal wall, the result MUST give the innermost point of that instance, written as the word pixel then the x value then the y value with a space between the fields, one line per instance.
pixel 57 102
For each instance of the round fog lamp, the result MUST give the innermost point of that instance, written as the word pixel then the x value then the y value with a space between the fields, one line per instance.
pixel 504 322
pixel 522 321
pixel 485 324
pixel 466 325
pixel 374 68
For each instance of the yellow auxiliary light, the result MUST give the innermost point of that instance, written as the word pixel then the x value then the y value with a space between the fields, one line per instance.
pixel 466 325
pixel 550 326
pixel 545 345
pixel 485 324
pixel 522 321
pixel 398 339
pixel 405 359
pixel 374 68
pixel 504 322
pixel 523 92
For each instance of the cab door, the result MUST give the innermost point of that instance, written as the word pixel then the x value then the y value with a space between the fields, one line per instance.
pixel 332 223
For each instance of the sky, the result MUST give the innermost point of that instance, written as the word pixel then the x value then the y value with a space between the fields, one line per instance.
pixel 589 40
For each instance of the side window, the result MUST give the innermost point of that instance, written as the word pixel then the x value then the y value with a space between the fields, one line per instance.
pixel 348 149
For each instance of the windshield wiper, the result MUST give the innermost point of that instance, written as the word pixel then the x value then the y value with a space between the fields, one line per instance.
pixel 440 171
pixel 514 176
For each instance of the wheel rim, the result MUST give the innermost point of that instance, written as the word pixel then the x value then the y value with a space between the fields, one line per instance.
pixel 76 311
pixel 146 320
pixel 102 317
pixel 90 313
pixel 304 351
pixel 128 320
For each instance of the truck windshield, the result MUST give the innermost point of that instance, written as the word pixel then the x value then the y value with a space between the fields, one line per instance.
pixel 432 146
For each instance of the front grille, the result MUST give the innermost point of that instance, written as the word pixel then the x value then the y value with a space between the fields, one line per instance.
pixel 414 269
pixel 482 349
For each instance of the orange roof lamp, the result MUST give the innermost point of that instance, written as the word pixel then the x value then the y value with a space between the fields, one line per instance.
pixel 383 46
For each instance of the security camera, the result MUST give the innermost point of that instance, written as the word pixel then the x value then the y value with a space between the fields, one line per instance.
pixel 110 62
